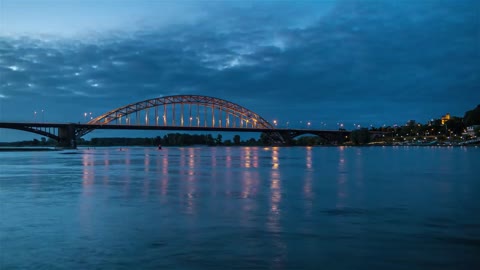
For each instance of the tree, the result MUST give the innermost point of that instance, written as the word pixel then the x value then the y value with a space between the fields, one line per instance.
pixel 251 142
pixel 209 140
pixel 157 140
pixel 218 140
pixel 472 117
pixel 455 125
pixel 236 139
pixel 360 136
pixel 265 138
pixel 147 141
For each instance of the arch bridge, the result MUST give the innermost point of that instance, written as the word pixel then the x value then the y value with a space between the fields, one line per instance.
pixel 179 112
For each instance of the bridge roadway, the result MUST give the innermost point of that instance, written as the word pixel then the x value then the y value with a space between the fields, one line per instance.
pixel 64 133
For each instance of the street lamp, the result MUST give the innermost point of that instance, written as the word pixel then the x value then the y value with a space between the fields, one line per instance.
pixel 43 115
pixel 35 116
pixel 85 116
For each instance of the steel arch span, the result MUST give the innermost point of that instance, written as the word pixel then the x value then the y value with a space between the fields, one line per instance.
pixel 182 111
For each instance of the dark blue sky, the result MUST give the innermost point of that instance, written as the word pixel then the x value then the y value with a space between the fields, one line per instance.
pixel 364 62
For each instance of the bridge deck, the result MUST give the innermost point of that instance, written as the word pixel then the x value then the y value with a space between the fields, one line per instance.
pixel 153 127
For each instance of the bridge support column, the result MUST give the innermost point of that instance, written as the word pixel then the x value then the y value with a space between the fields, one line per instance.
pixel 274 138
pixel 283 138
pixel 67 138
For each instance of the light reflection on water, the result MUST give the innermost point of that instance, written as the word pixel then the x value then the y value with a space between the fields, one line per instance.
pixel 241 207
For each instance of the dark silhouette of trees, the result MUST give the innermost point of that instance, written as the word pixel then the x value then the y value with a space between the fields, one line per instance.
pixel 265 139
pixel 360 136
pixel 472 117
pixel 236 139
pixel 218 140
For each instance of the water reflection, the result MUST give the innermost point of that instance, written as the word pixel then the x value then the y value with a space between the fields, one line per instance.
pixel 342 190
pixel 228 157
pixel 106 163
pixel 359 167
pixel 191 188
pixel 255 158
pixel 246 157
pixel 127 175
pixel 274 218
pixel 268 215
pixel 275 194
pixel 146 162
pixel 191 161
pixel 214 156
pixel 307 186
pixel 275 161
pixel 247 182
pixel 182 159
pixel 275 198
pixel 88 174
pixel 146 170
pixel 249 157
pixel 86 200
pixel 308 158
pixel 164 176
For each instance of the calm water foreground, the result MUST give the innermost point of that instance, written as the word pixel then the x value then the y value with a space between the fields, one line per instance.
pixel 241 208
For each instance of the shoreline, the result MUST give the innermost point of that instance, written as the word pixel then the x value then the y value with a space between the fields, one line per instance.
pixel 27 149
pixel 43 149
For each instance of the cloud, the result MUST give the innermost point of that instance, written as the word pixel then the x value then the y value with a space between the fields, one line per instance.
pixel 338 60
pixel 70 18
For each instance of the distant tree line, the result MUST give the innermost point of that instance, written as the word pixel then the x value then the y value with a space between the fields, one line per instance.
pixel 182 139
pixel 35 142
pixel 171 139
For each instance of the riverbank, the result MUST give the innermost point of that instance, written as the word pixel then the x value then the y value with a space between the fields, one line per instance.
pixel 25 149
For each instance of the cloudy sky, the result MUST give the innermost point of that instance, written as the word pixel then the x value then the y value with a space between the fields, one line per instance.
pixel 365 62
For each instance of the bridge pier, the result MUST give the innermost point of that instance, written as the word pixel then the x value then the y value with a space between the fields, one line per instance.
pixel 273 138
pixel 67 138
pixel 285 138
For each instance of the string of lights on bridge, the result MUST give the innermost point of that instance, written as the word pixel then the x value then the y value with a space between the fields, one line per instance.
pixel 39 116
pixel 185 111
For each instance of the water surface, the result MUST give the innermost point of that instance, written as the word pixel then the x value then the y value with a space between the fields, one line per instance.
pixel 241 208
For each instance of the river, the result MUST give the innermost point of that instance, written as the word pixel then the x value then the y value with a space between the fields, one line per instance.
pixel 241 208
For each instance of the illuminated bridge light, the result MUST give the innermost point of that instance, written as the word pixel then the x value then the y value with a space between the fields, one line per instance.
pixel 217 113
